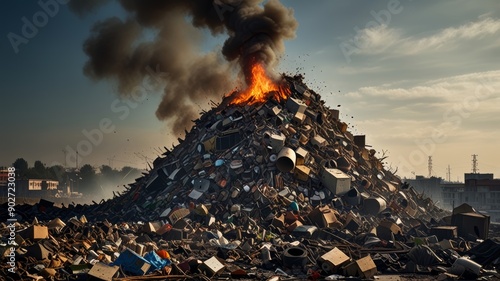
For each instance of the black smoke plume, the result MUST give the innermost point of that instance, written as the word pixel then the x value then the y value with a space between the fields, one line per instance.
pixel 167 35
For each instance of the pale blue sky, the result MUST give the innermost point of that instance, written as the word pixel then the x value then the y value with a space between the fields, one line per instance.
pixel 398 82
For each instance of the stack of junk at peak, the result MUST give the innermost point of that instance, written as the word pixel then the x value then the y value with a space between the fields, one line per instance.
pixel 276 191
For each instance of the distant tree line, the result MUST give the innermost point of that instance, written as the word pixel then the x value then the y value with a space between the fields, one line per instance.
pixel 38 171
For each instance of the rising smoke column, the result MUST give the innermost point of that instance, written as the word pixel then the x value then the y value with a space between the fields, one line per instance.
pixel 121 50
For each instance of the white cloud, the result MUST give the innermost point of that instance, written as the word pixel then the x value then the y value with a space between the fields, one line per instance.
pixel 447 38
pixel 384 39
pixel 377 39
pixel 485 85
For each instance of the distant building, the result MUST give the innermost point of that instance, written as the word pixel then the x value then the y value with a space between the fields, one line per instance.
pixel 481 191
pixel 3 177
pixel 33 188
pixel 431 187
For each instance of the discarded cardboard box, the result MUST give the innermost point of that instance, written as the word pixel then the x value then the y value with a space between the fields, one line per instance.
pixel 318 141
pixel 150 227
pixel 104 272
pixel 132 262
pixel 302 172
pixel 212 266
pixel 35 232
pixel 471 225
pixel 323 217
pixel 279 221
pixel 275 110
pixel 364 268
pixel 56 223
pixel 209 144
pixel 386 229
pixel 299 118
pixel 302 156
pixel 277 142
pixel 178 214
pixel 444 232
pixel 335 180
pixel 333 260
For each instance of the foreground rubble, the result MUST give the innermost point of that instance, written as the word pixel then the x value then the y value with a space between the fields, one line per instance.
pixel 278 191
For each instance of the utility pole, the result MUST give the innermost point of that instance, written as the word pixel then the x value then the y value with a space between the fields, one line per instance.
pixel 474 164
pixel 448 173
pixel 429 166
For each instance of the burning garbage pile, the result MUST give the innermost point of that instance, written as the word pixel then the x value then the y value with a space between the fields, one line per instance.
pixel 268 185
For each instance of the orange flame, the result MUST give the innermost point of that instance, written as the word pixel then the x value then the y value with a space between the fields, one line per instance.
pixel 261 89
